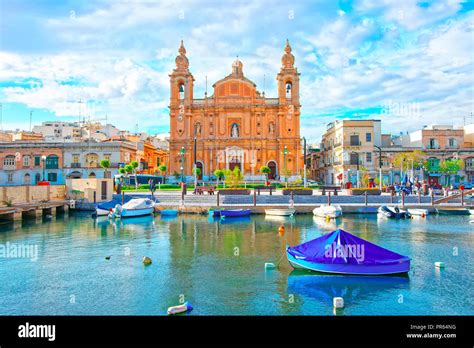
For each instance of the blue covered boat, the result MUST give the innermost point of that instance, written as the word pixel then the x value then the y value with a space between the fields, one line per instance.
pixel 234 213
pixel 340 252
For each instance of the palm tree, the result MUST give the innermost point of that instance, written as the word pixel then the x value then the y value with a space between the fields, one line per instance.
pixel 105 164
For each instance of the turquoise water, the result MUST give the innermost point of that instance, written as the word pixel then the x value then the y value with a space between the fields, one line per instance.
pixel 219 267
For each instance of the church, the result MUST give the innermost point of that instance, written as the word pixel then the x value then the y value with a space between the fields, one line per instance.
pixel 237 125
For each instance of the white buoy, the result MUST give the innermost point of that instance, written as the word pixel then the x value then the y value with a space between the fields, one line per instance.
pixel 146 260
pixel 439 264
pixel 338 302
pixel 269 265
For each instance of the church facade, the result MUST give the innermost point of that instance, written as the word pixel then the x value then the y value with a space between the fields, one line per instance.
pixel 237 125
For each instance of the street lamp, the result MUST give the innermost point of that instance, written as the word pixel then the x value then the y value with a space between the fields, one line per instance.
pixel 304 162
pixel 380 166
pixel 285 153
pixel 181 154
pixel 43 160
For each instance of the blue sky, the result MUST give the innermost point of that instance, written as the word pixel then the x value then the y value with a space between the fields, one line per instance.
pixel 409 63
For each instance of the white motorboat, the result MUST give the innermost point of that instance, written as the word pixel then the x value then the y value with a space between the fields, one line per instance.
pixel 418 212
pixel 133 208
pixel 328 211
pixel 280 212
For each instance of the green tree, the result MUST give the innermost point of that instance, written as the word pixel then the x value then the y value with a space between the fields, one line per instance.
pixel 105 164
pixel 162 168
pixel 234 177
pixel 449 167
pixel 265 170
pixel 219 173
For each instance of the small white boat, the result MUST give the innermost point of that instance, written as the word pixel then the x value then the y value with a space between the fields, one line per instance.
pixel 418 212
pixel 280 212
pixel 133 208
pixel 393 212
pixel 325 211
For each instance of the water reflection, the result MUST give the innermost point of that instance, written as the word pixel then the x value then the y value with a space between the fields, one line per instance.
pixel 324 287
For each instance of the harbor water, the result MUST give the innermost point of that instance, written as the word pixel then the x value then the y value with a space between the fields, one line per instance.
pixel 85 266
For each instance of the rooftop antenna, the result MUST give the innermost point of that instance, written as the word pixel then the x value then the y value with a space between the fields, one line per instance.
pixel 1 116
pixel 205 93
pixel 80 102
pixel 31 117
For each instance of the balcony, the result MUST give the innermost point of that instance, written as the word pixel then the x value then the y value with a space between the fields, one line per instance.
pixel 352 143
pixel 75 165
pixel 9 167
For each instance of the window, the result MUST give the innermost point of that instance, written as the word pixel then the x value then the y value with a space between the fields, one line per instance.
pixel 433 143
pixel 355 140
pixel 354 158
pixel 368 137
pixel 433 164
pixel 52 162
pixel 452 142
pixel 53 177
pixel 10 177
pixel 27 179
pixel 37 161
pixel 181 91
pixel 288 88
pixel 368 157
pixel 9 161
pixel 26 161
pixel 107 157
pixel 92 160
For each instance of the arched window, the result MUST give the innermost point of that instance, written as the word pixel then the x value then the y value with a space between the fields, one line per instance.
pixel 181 90
pixel 27 179
pixel 288 88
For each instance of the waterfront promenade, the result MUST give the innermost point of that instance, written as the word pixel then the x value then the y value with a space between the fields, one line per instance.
pixel 304 203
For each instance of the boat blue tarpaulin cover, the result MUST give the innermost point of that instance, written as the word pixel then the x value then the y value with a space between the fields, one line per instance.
pixel 343 247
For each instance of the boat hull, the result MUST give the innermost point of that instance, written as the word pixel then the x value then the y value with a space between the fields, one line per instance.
pixel 169 212
pixel 332 212
pixel 126 213
pixel 235 213
pixel 453 211
pixel 101 212
pixel 280 212
pixel 419 212
pixel 331 268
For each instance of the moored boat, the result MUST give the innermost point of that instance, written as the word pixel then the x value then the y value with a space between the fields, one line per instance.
pixel 392 212
pixel 280 212
pixel 133 208
pixel 418 212
pixel 328 211
pixel 453 211
pixel 234 213
pixel 169 212
pixel 341 252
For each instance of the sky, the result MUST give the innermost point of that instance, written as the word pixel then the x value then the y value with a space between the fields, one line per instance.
pixel 409 63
